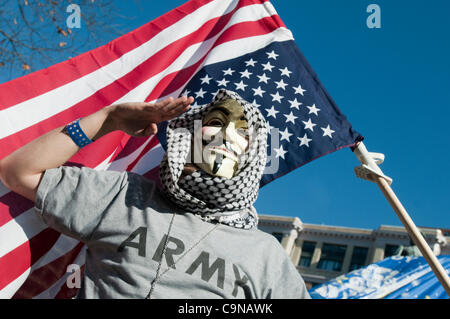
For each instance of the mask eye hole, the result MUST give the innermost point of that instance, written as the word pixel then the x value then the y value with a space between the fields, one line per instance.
pixel 214 122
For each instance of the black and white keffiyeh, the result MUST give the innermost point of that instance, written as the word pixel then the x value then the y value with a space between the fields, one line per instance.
pixel 213 198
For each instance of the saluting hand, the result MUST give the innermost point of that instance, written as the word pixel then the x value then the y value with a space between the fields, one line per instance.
pixel 140 118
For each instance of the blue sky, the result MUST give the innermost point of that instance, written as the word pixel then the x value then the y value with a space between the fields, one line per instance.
pixel 393 84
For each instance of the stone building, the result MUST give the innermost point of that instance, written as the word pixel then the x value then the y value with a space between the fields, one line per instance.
pixel 321 252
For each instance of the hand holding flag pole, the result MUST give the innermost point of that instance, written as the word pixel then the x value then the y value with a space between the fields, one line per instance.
pixel 370 171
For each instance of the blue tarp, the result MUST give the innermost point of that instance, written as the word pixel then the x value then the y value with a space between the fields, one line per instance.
pixel 392 278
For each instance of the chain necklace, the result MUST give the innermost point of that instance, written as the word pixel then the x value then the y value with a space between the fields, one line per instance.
pixel 158 275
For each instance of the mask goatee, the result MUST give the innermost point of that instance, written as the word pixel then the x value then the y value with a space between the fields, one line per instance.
pixel 217 163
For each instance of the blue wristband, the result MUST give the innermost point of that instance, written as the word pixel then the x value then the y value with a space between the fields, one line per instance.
pixel 76 133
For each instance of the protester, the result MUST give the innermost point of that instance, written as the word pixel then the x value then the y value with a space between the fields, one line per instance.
pixel 196 236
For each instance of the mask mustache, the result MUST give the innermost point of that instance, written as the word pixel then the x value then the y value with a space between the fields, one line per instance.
pixel 226 143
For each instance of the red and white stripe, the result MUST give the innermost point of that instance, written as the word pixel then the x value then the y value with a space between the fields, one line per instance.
pixel 148 64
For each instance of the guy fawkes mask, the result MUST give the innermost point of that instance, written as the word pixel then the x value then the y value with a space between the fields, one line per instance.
pixel 224 138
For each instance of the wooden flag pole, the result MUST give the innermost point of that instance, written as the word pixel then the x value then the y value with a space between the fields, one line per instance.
pixel 383 183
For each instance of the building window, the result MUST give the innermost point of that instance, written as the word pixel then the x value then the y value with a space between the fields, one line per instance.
pixel 307 253
pixel 390 250
pixel 358 258
pixel 332 257
pixel 278 236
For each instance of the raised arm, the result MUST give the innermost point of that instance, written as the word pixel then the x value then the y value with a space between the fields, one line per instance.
pixel 22 170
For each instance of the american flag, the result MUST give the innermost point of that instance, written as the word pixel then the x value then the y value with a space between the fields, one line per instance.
pixel 304 121
pixel 195 49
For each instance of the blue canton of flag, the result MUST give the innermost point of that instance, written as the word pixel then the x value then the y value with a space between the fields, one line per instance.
pixel 280 82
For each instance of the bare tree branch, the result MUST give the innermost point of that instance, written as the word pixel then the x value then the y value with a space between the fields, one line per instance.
pixel 34 33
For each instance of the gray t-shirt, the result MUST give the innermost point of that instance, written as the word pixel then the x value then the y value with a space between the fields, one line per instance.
pixel 123 218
